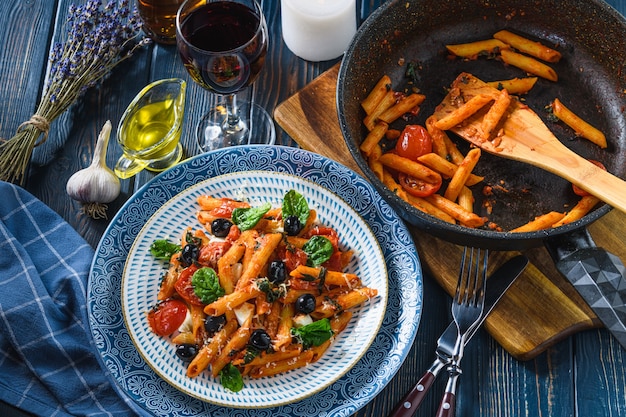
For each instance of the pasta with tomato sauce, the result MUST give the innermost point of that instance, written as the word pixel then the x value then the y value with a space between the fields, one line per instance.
pixel 256 292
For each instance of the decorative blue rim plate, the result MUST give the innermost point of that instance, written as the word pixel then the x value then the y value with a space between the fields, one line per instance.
pixel 153 396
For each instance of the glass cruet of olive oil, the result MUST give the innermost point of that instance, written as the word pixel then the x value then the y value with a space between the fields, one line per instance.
pixel 149 130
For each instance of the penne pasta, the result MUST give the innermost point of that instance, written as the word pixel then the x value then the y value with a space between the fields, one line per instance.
pixel 275 368
pixel 374 164
pixel 540 222
pixel 236 343
pixel 438 136
pixel 466 199
pixel 197 323
pixel 494 115
pixel 525 45
pixel 514 85
pixel 209 351
pixel 401 107
pixel 376 95
pixel 457 212
pixel 459 114
pixel 166 290
pixel 377 133
pixel 335 278
pixel 412 168
pixel 584 206
pixel 423 205
pixel 462 174
pixel 581 127
pixel 472 50
pixel 391 183
pixel 231 301
pixel 446 168
pixel 372 118
pixel 266 246
pixel 529 64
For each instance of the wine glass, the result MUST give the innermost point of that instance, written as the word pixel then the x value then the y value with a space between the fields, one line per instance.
pixel 223 44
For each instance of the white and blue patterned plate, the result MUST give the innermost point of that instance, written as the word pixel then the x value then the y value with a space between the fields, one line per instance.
pixel 142 276
pixel 352 389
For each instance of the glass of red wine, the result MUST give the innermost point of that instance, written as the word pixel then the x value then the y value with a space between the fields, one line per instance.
pixel 223 44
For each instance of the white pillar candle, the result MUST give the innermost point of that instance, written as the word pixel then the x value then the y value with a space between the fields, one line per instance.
pixel 318 30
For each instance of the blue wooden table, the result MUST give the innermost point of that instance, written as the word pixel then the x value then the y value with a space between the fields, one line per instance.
pixel 580 376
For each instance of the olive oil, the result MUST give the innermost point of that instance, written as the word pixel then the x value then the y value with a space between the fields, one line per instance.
pixel 149 125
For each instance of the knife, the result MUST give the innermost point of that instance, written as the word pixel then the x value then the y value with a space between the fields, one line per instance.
pixel 498 283
pixel 598 276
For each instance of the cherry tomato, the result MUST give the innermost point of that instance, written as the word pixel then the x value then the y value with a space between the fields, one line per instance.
pixel 579 191
pixel 335 263
pixel 167 316
pixel 184 288
pixel 414 141
pixel 417 187
pixel 291 256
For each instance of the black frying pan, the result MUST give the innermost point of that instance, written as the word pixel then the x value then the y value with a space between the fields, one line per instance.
pixel 592 81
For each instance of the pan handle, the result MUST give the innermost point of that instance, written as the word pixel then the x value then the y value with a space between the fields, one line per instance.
pixel 597 275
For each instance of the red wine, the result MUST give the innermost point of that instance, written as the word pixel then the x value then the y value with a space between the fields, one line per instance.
pixel 212 46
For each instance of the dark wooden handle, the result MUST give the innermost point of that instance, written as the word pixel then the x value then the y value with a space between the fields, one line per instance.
pixel 412 400
pixel 447 406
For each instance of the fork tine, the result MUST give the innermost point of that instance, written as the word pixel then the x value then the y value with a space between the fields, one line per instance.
pixel 470 277
pixel 461 281
pixel 480 279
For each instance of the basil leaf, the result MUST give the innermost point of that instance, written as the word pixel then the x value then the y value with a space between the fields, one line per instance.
pixel 206 285
pixel 318 249
pixel 313 334
pixel 294 204
pixel 163 249
pixel 231 378
pixel 247 218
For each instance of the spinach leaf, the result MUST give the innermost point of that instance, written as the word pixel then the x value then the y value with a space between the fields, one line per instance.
pixel 247 218
pixel 163 249
pixel 294 204
pixel 231 378
pixel 313 334
pixel 206 285
pixel 318 249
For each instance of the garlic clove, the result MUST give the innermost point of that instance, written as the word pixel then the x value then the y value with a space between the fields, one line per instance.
pixel 97 184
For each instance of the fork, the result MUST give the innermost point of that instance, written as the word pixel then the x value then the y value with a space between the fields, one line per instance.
pixel 467 309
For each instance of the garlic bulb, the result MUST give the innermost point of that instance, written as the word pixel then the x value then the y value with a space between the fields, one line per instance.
pixel 95 185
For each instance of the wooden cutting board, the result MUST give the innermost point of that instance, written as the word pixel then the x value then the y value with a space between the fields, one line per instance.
pixel 540 309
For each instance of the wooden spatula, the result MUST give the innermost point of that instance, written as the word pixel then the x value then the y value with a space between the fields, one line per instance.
pixel 523 136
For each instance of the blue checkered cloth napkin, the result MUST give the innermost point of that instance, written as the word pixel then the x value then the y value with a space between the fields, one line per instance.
pixel 48 365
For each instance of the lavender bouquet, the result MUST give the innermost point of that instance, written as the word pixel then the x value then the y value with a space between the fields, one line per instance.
pixel 98 38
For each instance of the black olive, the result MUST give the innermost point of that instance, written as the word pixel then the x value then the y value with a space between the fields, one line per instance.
pixel 189 254
pixel 259 339
pixel 220 227
pixel 277 272
pixel 213 324
pixel 305 304
pixel 186 351
pixel 292 225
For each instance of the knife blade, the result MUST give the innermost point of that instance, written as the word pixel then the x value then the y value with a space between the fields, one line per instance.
pixel 497 284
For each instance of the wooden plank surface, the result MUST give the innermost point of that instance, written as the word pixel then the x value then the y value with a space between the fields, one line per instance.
pixel 540 309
